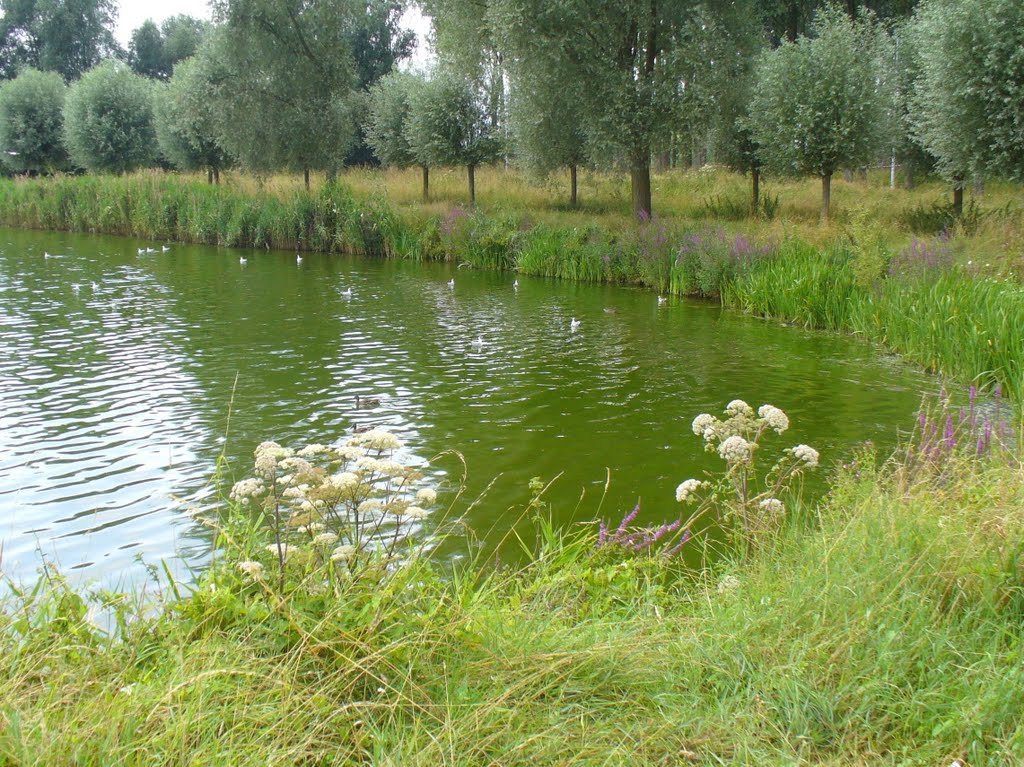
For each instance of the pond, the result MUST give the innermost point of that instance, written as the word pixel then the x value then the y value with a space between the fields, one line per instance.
pixel 124 376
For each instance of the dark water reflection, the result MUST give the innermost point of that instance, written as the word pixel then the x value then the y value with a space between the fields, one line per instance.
pixel 117 371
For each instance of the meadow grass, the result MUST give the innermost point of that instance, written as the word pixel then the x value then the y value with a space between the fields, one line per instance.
pixel 883 627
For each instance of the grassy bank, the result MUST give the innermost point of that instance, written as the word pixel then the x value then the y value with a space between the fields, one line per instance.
pixel 883 628
pixel 950 302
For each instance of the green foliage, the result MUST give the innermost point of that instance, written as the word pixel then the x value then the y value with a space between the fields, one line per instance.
pixel 185 112
pixel 108 119
pixel 146 52
pixel 387 118
pixel 64 36
pixel 449 125
pixel 32 122
pixel 970 89
pixel 286 96
pixel 820 104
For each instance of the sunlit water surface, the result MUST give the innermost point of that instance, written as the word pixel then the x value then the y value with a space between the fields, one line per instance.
pixel 118 373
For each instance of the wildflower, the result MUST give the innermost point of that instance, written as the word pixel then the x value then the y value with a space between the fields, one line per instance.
pixel 311 529
pixel 311 451
pixel 343 553
pixel 736 450
pixel 415 512
pixel 702 423
pixel 369 506
pixel 253 569
pixel 687 488
pixel 383 466
pixel 127 689
pixel 325 539
pixel 739 407
pixel 776 419
pixel 281 551
pixel 348 452
pixel 806 454
pixel 771 506
pixel 246 490
pixel 426 496
pixel 296 493
pixel 343 482
pixel 266 465
pixel 271 450
pixel 375 439
pixel 297 466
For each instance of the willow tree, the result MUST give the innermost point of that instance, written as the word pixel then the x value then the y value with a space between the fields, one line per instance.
pixel 386 124
pixel 621 61
pixel 108 119
pixel 287 96
pixel 32 122
pixel 186 118
pixel 449 124
pixel 822 103
pixel 969 94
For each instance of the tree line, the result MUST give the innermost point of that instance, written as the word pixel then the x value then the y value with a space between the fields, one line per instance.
pixel 788 87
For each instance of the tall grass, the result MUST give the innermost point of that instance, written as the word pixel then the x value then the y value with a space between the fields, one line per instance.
pixel 885 628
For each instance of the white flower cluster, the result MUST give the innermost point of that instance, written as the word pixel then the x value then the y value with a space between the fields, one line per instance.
pixel 375 439
pixel 771 506
pixel 807 454
pixel 739 407
pixel 247 489
pixel 253 569
pixel 702 423
pixel 774 418
pixel 736 450
pixel 687 488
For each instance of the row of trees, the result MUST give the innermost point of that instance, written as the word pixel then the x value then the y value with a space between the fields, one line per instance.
pixel 784 86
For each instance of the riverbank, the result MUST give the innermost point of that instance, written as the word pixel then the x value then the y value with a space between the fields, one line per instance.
pixel 929 298
pixel 882 628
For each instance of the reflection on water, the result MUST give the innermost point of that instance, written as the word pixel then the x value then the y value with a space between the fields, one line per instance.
pixel 118 373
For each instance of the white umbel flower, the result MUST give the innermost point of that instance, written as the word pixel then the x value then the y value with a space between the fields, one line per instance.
pixel 244 491
pixel 343 553
pixel 807 454
pixel 776 419
pixel 702 423
pixel 426 496
pixel 735 450
pixel 771 506
pixel 739 407
pixel 325 539
pixel 253 569
pixel 376 439
pixel 687 488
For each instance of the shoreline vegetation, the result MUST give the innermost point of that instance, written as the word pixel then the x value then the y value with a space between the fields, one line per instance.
pixel 895 267
pixel 881 627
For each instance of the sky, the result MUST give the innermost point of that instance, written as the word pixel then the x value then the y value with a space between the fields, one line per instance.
pixel 133 12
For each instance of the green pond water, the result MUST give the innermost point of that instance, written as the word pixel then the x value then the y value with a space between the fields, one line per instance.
pixel 117 371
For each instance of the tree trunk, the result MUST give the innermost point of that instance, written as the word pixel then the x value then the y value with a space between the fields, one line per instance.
pixel 305 177
pixel 640 176
pixel 472 184
pixel 958 196
pixel 826 196
pixel 755 191
pixel 209 175
pixel 573 198
pixel 848 175
pixel 793 21
pixel 908 182
pixel 979 186
pixel 426 182
pixel 216 176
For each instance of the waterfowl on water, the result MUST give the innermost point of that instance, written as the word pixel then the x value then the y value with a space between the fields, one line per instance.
pixel 367 403
pixel 346 293
pixel 479 342
pixel 610 310
pixel 662 300
pixel 451 283
pixel 515 285
pixel 298 258
pixel 574 324
pixel 243 260
pixel 165 248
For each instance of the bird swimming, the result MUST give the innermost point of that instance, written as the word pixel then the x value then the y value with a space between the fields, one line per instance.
pixel 347 292
pixel 367 403
pixel 451 283
pixel 662 300
pixel 243 260
pixel 515 285
pixel 574 325
pixel 164 248
pixel 298 258
pixel 479 342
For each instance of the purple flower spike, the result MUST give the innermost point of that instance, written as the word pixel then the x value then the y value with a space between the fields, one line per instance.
pixel 628 519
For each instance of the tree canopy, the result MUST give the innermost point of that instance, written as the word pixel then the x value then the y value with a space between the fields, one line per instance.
pixel 63 36
pixel 32 122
